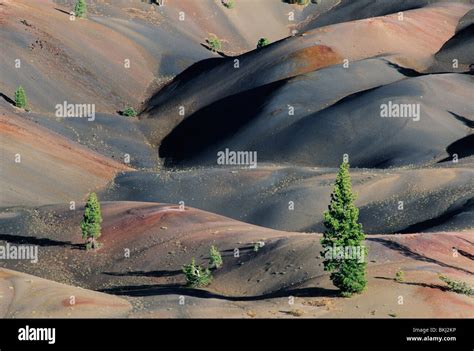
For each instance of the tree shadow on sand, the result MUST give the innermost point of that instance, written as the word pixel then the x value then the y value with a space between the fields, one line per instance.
pixel 63 11
pixel 423 285
pixel 7 99
pixel 179 289
pixel 466 254
pixel 31 240
pixel 219 52
pixel 406 251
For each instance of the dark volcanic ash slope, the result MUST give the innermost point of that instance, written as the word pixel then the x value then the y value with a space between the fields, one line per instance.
pixel 349 10
pixel 266 110
pixel 457 54
pixel 125 49
pixel 409 43
pixel 355 127
pixel 317 135
pixel 433 198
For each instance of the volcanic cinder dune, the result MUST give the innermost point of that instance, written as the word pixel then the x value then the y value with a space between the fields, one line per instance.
pixel 382 36
pixel 30 158
pixel 457 52
pixel 438 198
pixel 347 10
pixel 262 124
pixel 386 84
pixel 26 296
pixel 122 52
pixel 160 238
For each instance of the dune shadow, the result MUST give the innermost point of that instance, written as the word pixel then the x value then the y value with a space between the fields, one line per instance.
pixel 407 252
pixel 31 240
pixel 179 289
pixel 462 148
pixel 162 273
pixel 204 130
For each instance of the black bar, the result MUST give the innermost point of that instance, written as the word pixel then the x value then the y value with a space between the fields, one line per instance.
pixel 316 334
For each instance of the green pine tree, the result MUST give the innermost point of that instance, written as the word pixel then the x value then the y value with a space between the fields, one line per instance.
pixel 80 10
pixel 196 276
pixel 214 43
pixel 20 97
pixel 91 221
pixel 262 42
pixel 215 260
pixel 129 112
pixel 343 230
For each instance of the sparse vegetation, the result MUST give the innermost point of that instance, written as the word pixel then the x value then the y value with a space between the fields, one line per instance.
pixel 400 276
pixel 129 112
pixel 215 257
pixel 196 276
pixel 91 222
pixel 262 42
pixel 457 286
pixel 80 10
pixel 230 4
pixel 214 43
pixel 258 245
pixel 299 2
pixel 343 230
pixel 20 97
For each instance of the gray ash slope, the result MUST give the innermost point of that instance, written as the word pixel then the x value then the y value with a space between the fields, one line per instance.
pixel 246 106
pixel 317 135
pixel 458 52
pixel 434 198
pixel 336 113
pixel 349 10
pixel 110 135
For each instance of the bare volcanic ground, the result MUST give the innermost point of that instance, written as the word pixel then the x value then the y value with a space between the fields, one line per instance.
pixel 348 10
pixel 115 137
pixel 239 28
pixel 294 198
pixel 26 296
pixel 457 54
pixel 40 166
pixel 124 50
pixel 110 61
pixel 413 177
pixel 145 244
pixel 409 43
pixel 328 120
